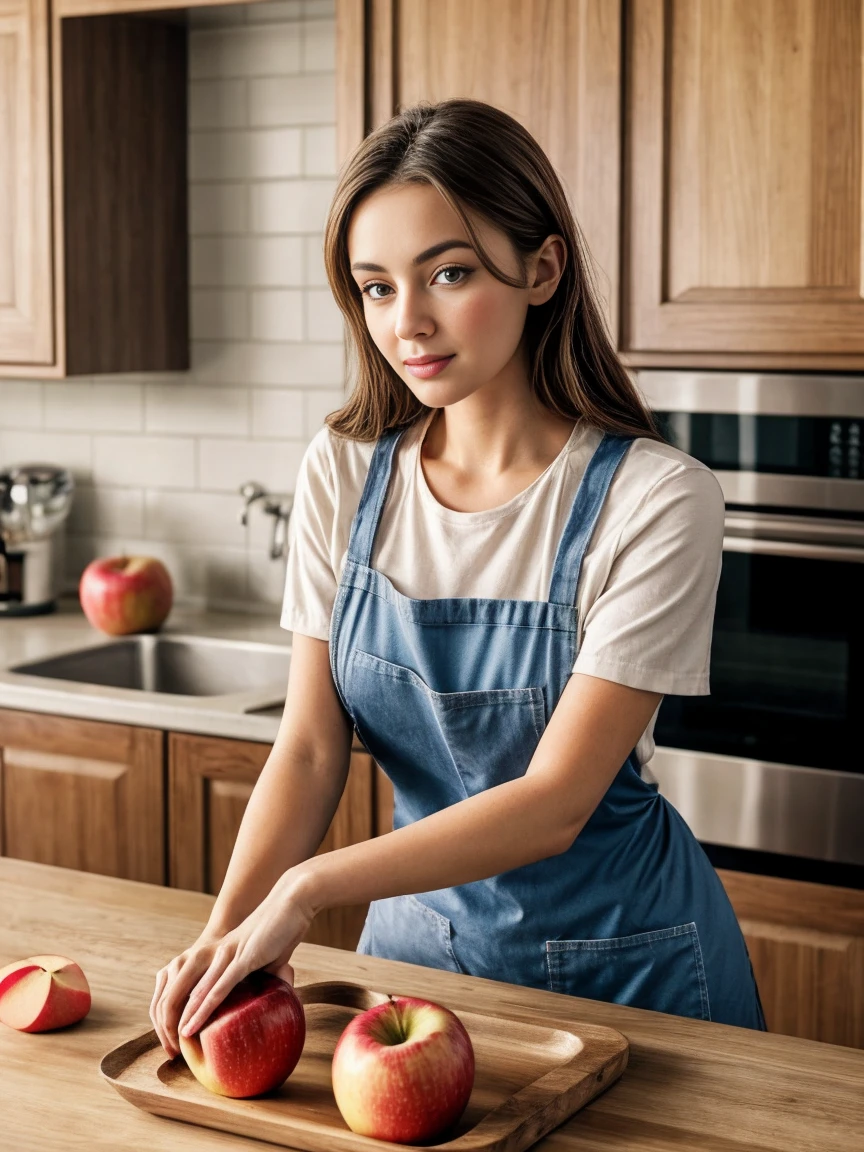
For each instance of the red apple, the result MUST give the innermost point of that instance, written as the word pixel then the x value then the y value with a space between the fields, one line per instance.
pixel 43 992
pixel 122 594
pixel 403 1070
pixel 251 1043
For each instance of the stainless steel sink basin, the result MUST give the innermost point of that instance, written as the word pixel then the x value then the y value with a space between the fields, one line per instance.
pixel 179 665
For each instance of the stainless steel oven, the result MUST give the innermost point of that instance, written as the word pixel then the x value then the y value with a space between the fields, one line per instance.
pixel 772 761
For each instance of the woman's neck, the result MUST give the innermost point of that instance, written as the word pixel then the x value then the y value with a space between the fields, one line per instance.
pixel 473 461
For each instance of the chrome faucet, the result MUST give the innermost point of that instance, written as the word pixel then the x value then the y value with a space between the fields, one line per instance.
pixel 278 505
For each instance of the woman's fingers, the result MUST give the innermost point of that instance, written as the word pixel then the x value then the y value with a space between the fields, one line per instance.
pixel 283 970
pixel 211 990
pixel 161 981
pixel 182 975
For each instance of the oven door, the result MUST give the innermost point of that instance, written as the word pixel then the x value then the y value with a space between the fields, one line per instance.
pixel 772 759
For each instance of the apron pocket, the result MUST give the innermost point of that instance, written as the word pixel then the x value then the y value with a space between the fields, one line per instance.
pixel 661 970
pixel 490 736
pixel 404 928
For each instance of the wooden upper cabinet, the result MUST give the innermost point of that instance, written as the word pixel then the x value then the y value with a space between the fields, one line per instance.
pixel 82 794
pixel 554 65
pixel 743 183
pixel 26 274
pixel 93 193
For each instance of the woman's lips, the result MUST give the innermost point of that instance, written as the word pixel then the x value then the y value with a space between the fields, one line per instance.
pixel 430 368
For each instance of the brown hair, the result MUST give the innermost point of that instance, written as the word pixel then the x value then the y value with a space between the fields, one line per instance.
pixel 480 158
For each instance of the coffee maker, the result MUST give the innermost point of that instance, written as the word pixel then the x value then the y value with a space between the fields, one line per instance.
pixel 35 500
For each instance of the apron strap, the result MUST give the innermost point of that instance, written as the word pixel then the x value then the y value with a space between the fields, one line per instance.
pixel 365 522
pixel 583 517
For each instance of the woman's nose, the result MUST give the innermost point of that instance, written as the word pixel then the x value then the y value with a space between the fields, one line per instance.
pixel 412 316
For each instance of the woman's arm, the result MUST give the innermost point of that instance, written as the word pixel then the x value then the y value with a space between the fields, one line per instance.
pixel 595 725
pixel 289 811
pixel 298 791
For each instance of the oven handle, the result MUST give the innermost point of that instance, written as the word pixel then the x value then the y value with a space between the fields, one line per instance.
pixel 793 548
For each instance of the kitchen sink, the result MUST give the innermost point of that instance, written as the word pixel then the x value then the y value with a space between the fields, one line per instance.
pixel 180 665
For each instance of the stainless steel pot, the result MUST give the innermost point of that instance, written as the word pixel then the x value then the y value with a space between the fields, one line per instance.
pixel 35 500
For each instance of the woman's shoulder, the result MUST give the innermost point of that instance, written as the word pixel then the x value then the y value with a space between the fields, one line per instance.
pixel 335 461
pixel 655 478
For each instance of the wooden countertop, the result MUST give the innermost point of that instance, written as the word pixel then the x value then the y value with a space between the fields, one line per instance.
pixel 689 1085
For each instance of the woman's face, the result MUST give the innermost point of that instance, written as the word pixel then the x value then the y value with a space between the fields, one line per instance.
pixel 447 304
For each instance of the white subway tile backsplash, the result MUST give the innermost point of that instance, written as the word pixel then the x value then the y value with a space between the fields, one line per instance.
pixel 218 104
pixel 319 46
pixel 219 314
pixel 308 99
pixel 290 205
pixel 278 412
pixel 72 450
pixel 114 407
pixel 319 405
pixel 225 465
pixel 148 461
pixel 20 404
pixel 251 51
pixel 194 518
pixel 218 208
pixel 261 154
pixel 158 459
pixel 246 261
pixel 315 9
pixel 274 11
pixel 304 364
pixel 266 577
pixel 106 511
pixel 315 273
pixel 323 319
pixel 319 151
pixel 277 314
pixel 196 409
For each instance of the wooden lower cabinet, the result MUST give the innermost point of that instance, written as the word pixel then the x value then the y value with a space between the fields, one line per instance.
pixel 210 782
pixel 806 942
pixel 82 794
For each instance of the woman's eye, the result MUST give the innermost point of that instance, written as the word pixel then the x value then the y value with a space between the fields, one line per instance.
pixel 367 290
pixel 455 270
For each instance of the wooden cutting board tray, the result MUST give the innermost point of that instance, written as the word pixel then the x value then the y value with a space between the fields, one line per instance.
pixel 529 1078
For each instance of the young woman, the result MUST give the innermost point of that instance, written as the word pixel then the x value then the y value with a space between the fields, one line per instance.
pixel 498 568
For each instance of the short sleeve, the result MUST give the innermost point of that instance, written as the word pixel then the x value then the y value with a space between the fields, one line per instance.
pixel 310 580
pixel 651 626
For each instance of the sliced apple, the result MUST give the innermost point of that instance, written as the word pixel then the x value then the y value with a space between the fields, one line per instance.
pixel 42 993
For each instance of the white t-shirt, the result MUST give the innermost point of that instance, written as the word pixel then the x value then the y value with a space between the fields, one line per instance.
pixel 649 578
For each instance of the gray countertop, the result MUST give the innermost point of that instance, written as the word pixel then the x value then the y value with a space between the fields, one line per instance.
pixel 27 638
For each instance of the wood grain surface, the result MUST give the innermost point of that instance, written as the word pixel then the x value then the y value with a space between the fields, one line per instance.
pixel 528 1079
pixel 689 1085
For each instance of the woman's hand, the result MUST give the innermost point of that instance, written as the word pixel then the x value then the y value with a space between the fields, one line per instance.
pixel 192 985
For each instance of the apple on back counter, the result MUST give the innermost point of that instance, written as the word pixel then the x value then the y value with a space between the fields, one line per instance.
pixel 42 993
pixel 123 594
pixel 403 1071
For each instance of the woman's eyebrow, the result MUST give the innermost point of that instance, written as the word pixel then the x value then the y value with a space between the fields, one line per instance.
pixel 435 250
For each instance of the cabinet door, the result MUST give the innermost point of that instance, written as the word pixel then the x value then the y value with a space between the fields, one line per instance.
pixel 210 782
pixel 806 942
pixel 743 170
pixel 26 280
pixel 83 795
pixel 554 65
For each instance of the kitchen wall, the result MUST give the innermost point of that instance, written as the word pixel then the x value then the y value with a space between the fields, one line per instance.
pixel 158 459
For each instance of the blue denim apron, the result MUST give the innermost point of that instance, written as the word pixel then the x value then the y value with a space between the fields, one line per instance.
pixel 451 697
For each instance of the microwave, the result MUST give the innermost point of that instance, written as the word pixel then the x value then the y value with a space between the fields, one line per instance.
pixel 770 765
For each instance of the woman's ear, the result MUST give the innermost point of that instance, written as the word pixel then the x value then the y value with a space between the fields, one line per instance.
pixel 547 268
